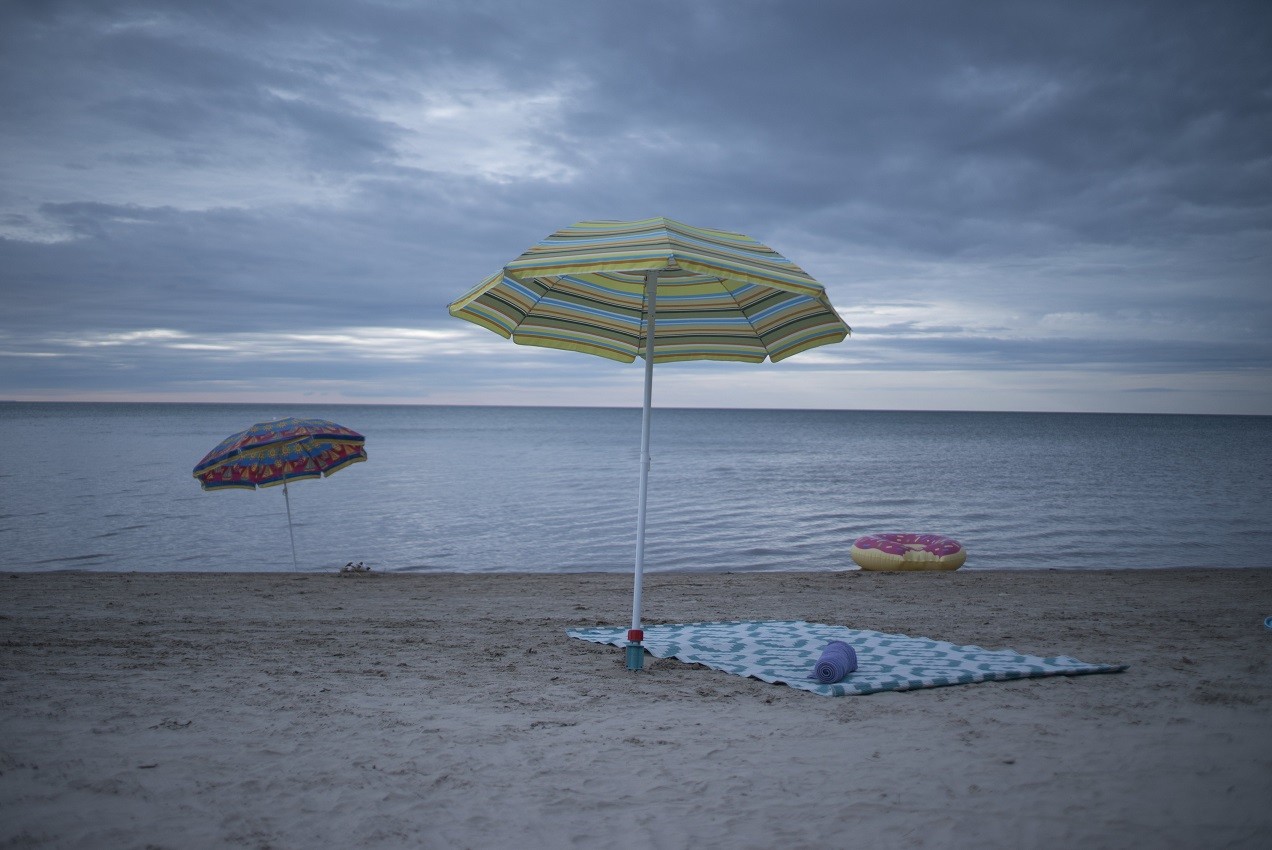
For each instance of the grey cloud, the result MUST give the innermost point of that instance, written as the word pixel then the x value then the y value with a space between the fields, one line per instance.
pixel 1148 356
pixel 210 166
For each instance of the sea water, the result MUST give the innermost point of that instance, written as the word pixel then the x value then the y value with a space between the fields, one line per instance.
pixel 474 489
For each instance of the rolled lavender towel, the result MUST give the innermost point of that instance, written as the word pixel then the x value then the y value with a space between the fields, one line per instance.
pixel 837 660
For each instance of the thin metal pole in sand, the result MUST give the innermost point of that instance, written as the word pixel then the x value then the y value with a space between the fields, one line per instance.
pixel 636 652
pixel 290 533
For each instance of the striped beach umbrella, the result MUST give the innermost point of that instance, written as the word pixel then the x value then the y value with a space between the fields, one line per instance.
pixel 272 453
pixel 658 289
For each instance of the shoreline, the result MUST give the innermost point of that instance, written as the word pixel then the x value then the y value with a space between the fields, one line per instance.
pixel 419 709
pixel 627 571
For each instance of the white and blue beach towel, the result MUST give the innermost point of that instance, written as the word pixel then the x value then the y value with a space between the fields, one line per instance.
pixel 785 652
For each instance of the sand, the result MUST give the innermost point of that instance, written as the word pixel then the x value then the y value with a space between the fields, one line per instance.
pixel 383 711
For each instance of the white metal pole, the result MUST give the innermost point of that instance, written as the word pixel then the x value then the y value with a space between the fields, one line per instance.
pixel 651 297
pixel 290 533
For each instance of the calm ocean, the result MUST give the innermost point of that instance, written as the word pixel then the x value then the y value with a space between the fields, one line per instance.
pixel 108 487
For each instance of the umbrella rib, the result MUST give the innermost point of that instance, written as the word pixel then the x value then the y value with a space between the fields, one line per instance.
pixel 261 447
pixel 591 312
pixel 751 324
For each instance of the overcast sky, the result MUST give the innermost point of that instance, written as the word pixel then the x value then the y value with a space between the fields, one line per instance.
pixel 1015 205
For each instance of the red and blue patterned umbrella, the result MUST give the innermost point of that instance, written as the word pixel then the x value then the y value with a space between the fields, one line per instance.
pixel 272 453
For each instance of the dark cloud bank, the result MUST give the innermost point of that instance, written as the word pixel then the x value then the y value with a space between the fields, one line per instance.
pixel 983 187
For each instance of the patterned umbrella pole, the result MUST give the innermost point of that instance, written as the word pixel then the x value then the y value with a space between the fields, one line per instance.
pixel 636 652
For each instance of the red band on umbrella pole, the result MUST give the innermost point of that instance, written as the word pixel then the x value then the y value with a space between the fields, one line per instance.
pixel 635 635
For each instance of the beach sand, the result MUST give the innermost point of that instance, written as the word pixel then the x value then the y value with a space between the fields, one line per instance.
pixel 145 710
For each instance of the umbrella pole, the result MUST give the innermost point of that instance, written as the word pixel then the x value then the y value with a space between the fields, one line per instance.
pixel 290 533
pixel 636 652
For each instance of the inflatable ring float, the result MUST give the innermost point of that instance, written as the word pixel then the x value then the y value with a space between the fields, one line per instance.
pixel 908 552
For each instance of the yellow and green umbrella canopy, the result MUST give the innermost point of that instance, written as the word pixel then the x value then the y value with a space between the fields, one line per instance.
pixel 600 286
pixel 720 295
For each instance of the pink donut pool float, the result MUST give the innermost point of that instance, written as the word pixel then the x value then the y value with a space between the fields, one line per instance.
pixel 908 552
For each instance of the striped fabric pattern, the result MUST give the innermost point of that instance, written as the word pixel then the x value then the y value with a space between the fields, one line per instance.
pixel 721 295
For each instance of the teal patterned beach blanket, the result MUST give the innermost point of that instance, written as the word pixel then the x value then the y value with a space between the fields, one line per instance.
pixel 784 652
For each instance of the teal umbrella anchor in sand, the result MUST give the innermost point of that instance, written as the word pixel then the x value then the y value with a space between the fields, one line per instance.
pixel 658 289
